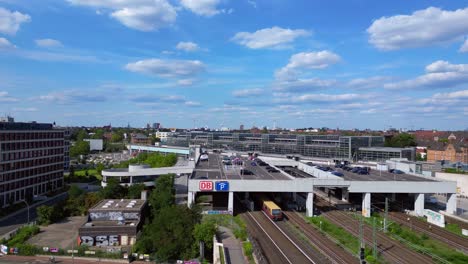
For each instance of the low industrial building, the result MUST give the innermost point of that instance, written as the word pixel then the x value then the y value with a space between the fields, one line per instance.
pixel 379 154
pixel 114 223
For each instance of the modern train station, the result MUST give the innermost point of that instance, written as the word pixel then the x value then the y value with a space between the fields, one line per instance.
pixel 295 182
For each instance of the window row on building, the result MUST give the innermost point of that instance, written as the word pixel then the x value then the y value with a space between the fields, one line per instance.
pixel 15 156
pixel 27 135
pixel 322 146
pixel 30 171
pixel 31 145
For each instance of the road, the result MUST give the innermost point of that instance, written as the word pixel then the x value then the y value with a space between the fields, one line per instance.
pixel 9 224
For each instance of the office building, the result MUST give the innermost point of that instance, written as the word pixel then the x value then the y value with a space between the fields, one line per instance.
pixel 319 146
pixel 32 160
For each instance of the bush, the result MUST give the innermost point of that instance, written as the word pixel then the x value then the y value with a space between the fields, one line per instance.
pixel 248 250
pixel 23 234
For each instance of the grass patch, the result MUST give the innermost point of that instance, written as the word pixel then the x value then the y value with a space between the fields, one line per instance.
pixel 454 228
pixel 421 242
pixel 248 250
pixel 23 234
pixel 343 237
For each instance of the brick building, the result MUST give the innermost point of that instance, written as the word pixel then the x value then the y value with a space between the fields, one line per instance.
pixel 32 160
pixel 140 139
pixel 454 150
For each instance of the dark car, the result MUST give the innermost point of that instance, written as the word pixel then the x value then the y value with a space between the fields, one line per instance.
pixel 245 172
pixel 356 169
pixel 253 163
pixel 336 173
pixel 395 171
pixel 362 172
pixel 273 170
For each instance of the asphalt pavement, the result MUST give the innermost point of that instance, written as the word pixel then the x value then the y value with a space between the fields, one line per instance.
pixel 13 221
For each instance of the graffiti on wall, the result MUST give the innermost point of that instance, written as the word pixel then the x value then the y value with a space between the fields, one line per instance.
pixel 100 241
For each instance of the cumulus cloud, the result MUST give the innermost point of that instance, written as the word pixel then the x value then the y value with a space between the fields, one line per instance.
pixel 143 15
pixel 187 46
pixel 6 44
pixel 48 43
pixel 10 22
pixel 202 7
pixel 422 28
pixel 464 47
pixel 440 74
pixel 167 68
pixel 306 61
pixel 248 92
pixel 274 37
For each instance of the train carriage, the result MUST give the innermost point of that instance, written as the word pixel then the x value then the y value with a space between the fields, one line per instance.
pixel 272 210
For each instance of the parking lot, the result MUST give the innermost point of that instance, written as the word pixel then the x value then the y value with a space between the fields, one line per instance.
pixel 59 235
pixel 235 167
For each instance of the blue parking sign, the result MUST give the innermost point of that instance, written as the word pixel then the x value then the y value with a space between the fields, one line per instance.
pixel 222 186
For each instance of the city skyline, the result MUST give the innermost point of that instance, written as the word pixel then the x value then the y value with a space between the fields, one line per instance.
pixel 353 64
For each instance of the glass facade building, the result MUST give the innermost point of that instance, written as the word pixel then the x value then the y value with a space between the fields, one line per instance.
pixel 320 146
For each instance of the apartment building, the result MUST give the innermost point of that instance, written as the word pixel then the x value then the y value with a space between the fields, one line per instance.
pixel 33 157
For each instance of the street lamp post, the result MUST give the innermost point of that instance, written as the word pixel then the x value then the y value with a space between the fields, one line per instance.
pixel 27 207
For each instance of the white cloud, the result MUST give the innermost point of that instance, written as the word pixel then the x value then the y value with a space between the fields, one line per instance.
pixel 325 97
pixel 303 85
pixel 248 92
pixel 367 83
pixel 143 15
pixel 464 47
pixel 202 7
pixel 274 37
pixel 185 82
pixel 48 43
pixel 6 44
pixel 422 28
pixel 187 46
pixel 192 103
pixel 25 109
pixel 10 22
pixel 305 61
pixel 252 3
pixel 167 68
pixel 6 98
pixel 440 74
pixel 463 94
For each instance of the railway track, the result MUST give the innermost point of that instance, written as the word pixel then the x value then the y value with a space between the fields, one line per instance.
pixel 391 250
pixel 277 245
pixel 435 232
pixel 328 248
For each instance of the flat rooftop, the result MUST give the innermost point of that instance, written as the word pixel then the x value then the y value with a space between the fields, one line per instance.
pixel 119 205
pixel 214 169
pixel 375 175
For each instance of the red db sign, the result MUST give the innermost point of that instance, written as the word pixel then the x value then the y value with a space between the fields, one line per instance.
pixel 206 186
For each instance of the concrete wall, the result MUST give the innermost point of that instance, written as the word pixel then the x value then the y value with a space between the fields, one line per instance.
pixel 461 179
pixel 402 187
pixel 95 144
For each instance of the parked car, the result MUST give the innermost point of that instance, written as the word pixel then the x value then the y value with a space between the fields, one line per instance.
pixel 336 173
pixel 245 172
pixel 253 163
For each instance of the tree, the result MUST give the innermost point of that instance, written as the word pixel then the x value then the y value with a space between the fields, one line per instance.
pixel 134 191
pixel 74 192
pixel 116 137
pixel 98 134
pixel 113 190
pixel 91 199
pixel 45 214
pixel 205 232
pixel 170 234
pixel 81 134
pixel 401 140
pixel 264 130
pixel 80 148
pixel 163 194
pixel 99 168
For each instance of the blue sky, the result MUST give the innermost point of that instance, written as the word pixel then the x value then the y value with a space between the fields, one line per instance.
pixel 184 63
